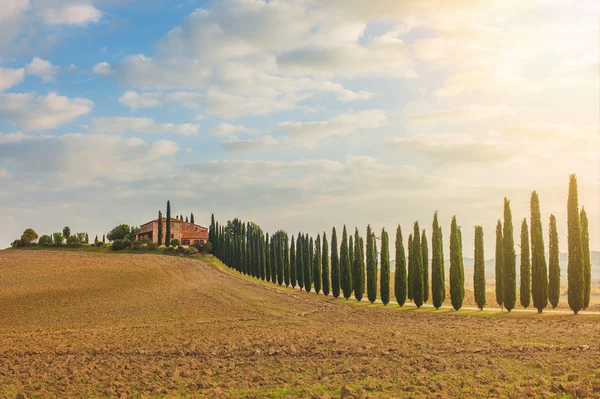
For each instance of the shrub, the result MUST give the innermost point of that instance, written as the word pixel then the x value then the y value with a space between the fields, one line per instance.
pixel 45 240
pixel 57 238
pixel 175 242
pixel 73 241
pixel 99 244
pixel 29 237
pixel 169 249
pixel 119 245
pixel 137 244
pixel 191 251
pixel 206 248
pixel 16 244
pixel 180 249
pixel 152 245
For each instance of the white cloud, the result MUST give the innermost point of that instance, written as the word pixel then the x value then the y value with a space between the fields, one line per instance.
pixel 102 68
pixel 13 8
pixel 235 144
pixel 71 14
pixel 338 125
pixel 186 99
pixel 497 80
pixel 226 129
pixel 145 72
pixel 31 112
pixel 10 77
pixel 135 100
pixel 120 125
pixel 42 69
pixel 460 115
pixel 235 106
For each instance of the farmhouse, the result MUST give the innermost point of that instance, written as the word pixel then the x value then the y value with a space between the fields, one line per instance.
pixel 186 233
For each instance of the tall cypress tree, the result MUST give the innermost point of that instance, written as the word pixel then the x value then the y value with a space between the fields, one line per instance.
pixel 261 249
pixel 457 281
pixel 539 270
pixel 575 269
pixel 479 269
pixel 268 258
pixel 400 269
pixel 425 260
pixel 351 258
pixel 307 264
pixel 384 283
pixel 317 265
pixel 293 262
pixel 438 278
pixel 554 265
pixel 168 228
pixel 192 218
pixel 510 266
pixel 299 262
pixel 345 271
pixel 499 265
pixel 280 258
pixel 325 269
pixel 211 230
pixel 410 267
pixel 335 266
pixel 274 260
pixel 525 267
pixel 587 266
pixel 286 260
pixel 160 229
pixel 371 266
pixel 417 277
pixel 358 270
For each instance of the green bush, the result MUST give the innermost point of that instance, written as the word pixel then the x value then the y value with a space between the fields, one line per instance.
pixel 180 249
pixel 191 251
pixel 17 244
pixel 119 245
pixel 73 241
pixel 57 238
pixel 137 244
pixel 99 244
pixel 175 243
pixel 45 240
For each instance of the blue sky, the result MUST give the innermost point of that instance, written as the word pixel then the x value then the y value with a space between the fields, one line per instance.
pixel 298 114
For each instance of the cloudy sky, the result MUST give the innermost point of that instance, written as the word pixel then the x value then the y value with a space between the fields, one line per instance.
pixel 298 114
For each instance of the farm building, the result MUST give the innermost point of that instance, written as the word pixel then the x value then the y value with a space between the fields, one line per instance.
pixel 186 233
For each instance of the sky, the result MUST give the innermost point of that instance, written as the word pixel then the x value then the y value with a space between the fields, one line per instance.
pixel 297 115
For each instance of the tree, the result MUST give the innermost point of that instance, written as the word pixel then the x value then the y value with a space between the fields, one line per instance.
pixel 325 268
pixel 509 258
pixel 499 265
pixel 299 265
pixel 371 266
pixel 346 271
pixel 384 283
pixel 192 218
pixel 168 227
pixel 438 279
pixel 286 260
pixel 87 238
pixel 587 266
pixel 525 267
pixel 96 240
pixel 186 219
pixel 358 269
pixel 575 268
pixel 45 240
pixel 307 264
pixel 160 228
pixel 400 272
pixel 335 266
pixel 554 265
pixel 317 265
pixel 29 237
pixel 539 271
pixel 410 267
pixel 66 232
pixel 351 259
pixel 181 217
pixel 267 258
pixel 457 279
pixel 119 232
pixel 417 277
pixel 479 269
pixel 103 238
pixel 211 229
pixel 425 260
pixel 293 262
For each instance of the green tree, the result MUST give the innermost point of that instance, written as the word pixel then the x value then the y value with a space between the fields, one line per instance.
pixel 499 265
pixel 410 267
pixel 525 267
pixel 268 258
pixel 575 268
pixel 335 266
pixel 539 271
pixel 299 263
pixel 307 264
pixel 119 232
pixel 438 279
pixel 371 266
pixel 554 265
pixel 417 277
pixel 384 283
pixel 325 269
pixel 96 240
pixel 263 258
pixel 293 262
pixel 358 269
pixel 103 238
pixel 400 269
pixel 66 232
pixel 345 270
pixel 510 262
pixel 479 272
pixel 587 266
pixel 457 276
pixel 192 219
pixel 87 238
pixel 168 227
pixel 29 237
pixel 317 265
pixel 351 258
pixel 57 238
pixel 160 229
pixel 186 219
pixel 425 260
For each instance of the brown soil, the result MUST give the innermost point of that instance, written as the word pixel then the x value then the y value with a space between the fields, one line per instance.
pixel 147 326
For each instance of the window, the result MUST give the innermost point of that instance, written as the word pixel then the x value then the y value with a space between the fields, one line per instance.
pixel 195 229
pixel 185 241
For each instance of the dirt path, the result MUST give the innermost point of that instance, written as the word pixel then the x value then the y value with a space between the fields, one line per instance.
pixel 106 325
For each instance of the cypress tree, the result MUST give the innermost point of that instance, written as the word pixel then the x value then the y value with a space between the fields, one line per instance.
pixel 299 263
pixel 268 258
pixel 307 263
pixel 181 217
pixel 457 281
pixel 103 238
pixel 286 260
pixel 575 268
pixel 400 272
pixel 385 267
pixel 317 265
pixel 525 268
pixel 358 269
pixel 438 278
pixel 192 219
pixel 274 260
pixel 554 265
pixel 362 271
pixel 351 260
pixel 417 276
pixel 168 228
pixel 425 258
pixel 345 271
pixel 410 267
pixel 499 265
pixel 243 250
pixel 186 219
pixel 587 266
pixel 479 269
pixel 371 266
pixel 510 266
pixel 325 269
pixel 261 248
pixel 335 266
pixel 293 263
pixel 160 229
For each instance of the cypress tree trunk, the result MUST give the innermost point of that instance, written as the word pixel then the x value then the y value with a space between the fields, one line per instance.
pixel 345 271
pixel 268 258
pixel 417 275
pixel 479 272
pixel 358 268
pixel 299 262
pixel 457 287
pixel 525 267
pixel 168 228
pixel 575 267
pixel 385 268
pixel 499 265
pixel 510 266
pixel 587 266
pixel 371 267
pixel 335 266
pixel 325 271
pixel 410 267
pixel 425 260
pixel 438 278
pixel 307 264
pixel 400 270
pixel 317 265
pixel 539 271
pixel 286 261
pixel 160 229
pixel 554 265
pixel 293 262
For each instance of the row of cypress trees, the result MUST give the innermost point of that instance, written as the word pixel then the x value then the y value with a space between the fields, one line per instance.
pixel 313 264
